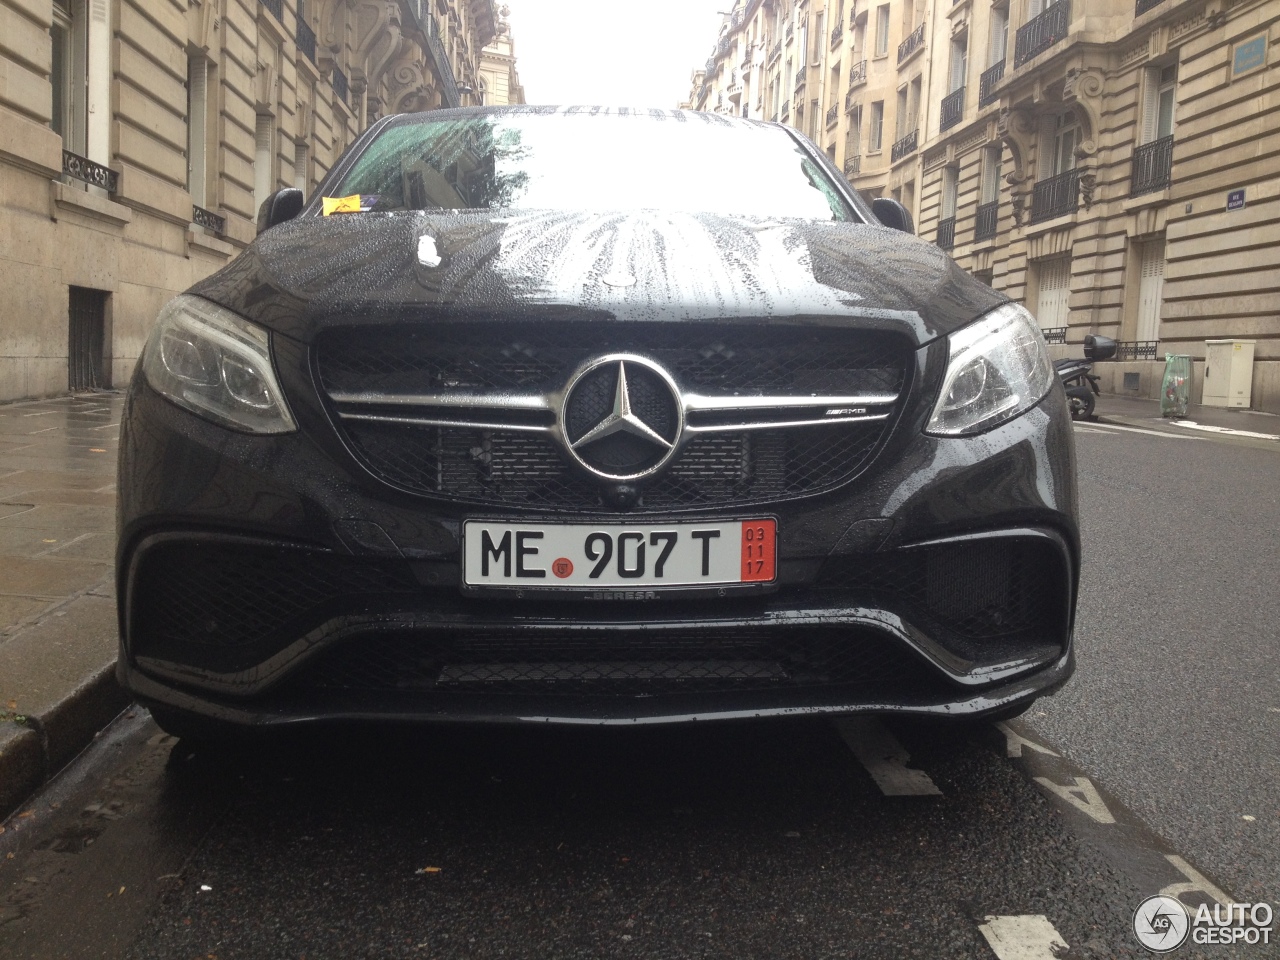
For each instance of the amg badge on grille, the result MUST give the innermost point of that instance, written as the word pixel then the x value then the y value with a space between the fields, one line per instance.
pixel 622 417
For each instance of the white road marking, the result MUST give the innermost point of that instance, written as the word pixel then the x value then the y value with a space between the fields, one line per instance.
pixel 1199 883
pixel 1101 433
pixel 885 758
pixel 1023 938
pixel 1082 795
pixel 1013 743
pixel 1229 431
pixel 1108 427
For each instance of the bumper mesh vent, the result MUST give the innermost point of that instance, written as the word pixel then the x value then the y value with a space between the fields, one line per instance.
pixel 631 662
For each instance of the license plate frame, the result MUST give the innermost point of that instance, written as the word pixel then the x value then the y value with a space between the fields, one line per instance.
pixel 614 587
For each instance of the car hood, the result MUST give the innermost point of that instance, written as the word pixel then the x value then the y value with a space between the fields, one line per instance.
pixel 369 268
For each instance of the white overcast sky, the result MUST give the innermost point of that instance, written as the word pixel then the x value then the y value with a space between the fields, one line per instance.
pixel 637 53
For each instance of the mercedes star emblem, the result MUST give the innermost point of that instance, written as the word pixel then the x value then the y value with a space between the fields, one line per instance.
pixel 622 417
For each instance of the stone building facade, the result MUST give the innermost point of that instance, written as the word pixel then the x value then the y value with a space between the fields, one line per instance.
pixel 139 137
pixel 1115 166
pixel 499 80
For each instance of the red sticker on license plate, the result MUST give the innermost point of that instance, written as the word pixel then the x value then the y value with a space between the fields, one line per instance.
pixel 759 550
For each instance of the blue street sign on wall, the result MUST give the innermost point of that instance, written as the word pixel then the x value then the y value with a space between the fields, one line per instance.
pixel 1249 55
pixel 1235 199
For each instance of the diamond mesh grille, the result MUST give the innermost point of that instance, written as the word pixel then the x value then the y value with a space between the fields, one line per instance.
pixel 717 359
pixel 229 607
pixel 985 589
pixel 527 470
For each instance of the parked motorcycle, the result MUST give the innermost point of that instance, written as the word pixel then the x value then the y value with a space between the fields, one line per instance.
pixel 1081 385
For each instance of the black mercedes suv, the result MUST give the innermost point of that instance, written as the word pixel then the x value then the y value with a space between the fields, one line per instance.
pixel 591 416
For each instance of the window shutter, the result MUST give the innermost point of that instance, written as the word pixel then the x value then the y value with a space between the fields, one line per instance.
pixel 1150 103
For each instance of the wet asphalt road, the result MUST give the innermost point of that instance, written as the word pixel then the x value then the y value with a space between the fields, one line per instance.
pixel 756 840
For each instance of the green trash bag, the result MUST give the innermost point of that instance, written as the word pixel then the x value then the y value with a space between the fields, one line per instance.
pixel 1176 388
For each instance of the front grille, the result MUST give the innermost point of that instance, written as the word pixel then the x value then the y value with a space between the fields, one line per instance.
pixel 618 662
pixel 527 469
pixel 228 607
pixel 968 593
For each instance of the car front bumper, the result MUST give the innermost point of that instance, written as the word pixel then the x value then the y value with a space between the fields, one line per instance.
pixel 263 581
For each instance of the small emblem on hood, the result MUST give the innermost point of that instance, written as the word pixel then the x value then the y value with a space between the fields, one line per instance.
pixel 428 255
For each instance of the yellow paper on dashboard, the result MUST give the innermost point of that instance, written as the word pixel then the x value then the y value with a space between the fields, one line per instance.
pixel 340 204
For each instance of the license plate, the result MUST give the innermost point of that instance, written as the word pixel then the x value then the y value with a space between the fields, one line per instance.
pixel 588 555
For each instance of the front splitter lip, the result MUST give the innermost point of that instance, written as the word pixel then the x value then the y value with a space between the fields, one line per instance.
pixel 991 701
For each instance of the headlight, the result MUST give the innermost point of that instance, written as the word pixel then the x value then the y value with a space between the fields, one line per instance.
pixel 999 367
pixel 205 358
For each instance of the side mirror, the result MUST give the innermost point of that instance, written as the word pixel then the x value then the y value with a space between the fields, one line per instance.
pixel 892 214
pixel 280 206
pixel 1097 347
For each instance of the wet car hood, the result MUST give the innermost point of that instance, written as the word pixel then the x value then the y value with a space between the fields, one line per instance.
pixel 369 268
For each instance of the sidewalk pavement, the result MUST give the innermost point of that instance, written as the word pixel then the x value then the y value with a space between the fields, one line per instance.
pixel 1200 420
pixel 57 591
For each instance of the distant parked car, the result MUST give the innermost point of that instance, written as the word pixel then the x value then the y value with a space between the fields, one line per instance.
pixel 591 415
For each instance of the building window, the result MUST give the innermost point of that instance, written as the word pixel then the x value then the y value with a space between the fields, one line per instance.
pixel 999 35
pixel 1157 111
pixel 198 70
pixel 950 191
pixel 1150 289
pixel 264 136
pixel 990 174
pixel 69 74
pixel 959 63
pixel 1053 279
pixel 875 135
pixel 901 122
pixel 1066 140
pixel 301 178
pixel 882 30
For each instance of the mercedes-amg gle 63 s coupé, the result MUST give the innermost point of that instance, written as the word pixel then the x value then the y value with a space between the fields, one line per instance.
pixel 591 415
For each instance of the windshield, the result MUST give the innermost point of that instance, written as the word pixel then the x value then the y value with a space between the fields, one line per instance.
pixel 592 160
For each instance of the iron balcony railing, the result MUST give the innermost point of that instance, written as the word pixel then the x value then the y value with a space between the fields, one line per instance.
pixel 836 33
pixel 800 78
pixel 341 89
pixel 991 78
pixel 306 38
pixel 786 109
pixel 904 147
pixel 833 114
pixel 1040 33
pixel 1152 165
pixel 276 7
pixel 1055 334
pixel 775 52
pixel 790 29
pixel 947 233
pixel 1144 5
pixel 94 174
pixel 952 109
pixel 858 73
pixel 913 43
pixel 984 226
pixel 851 100
pixel 1136 350
pixel 1056 196
pixel 852 166
pixel 208 219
